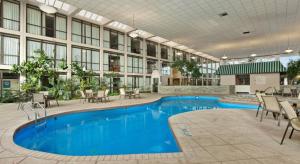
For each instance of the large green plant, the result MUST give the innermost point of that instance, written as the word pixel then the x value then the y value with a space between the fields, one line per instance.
pixel 86 78
pixel 187 68
pixel 293 69
pixel 34 70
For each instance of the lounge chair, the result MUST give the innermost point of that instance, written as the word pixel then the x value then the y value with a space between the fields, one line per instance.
pixel 294 121
pixel 136 93
pixel 122 93
pixel 106 96
pixel 270 91
pixel 39 98
pixel 89 95
pixel 83 96
pixel 260 101
pixel 100 96
pixel 287 91
pixel 271 105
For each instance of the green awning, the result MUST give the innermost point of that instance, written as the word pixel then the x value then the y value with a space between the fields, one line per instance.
pixel 251 68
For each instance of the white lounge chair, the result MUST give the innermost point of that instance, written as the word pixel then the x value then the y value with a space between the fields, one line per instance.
pixel 39 98
pixel 122 93
pixel 100 96
pixel 106 96
pixel 89 95
pixel 271 105
pixel 260 101
pixel 136 93
pixel 83 96
pixel 294 121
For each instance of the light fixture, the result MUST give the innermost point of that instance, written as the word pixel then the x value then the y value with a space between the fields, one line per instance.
pixel 253 55
pixel 134 34
pixel 288 50
pixel 48 9
pixel 224 57
pixel 179 53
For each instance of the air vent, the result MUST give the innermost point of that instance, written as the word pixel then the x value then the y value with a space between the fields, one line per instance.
pixel 223 14
pixel 246 32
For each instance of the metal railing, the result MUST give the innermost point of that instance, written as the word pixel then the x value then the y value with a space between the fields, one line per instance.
pixel 33 110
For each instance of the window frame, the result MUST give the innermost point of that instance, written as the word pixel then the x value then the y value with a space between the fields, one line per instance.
pixel 86 63
pixel 1 13
pixel 83 37
pixel 2 49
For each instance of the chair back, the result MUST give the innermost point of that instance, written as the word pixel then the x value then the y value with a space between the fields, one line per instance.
pixel 100 94
pixel 287 90
pixel 89 91
pixel 271 103
pixel 38 97
pixel 122 91
pixel 46 93
pixel 82 94
pixel 106 92
pixel 136 91
pixel 289 110
pixel 270 91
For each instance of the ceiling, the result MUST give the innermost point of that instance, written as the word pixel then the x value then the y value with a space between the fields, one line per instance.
pixel 274 25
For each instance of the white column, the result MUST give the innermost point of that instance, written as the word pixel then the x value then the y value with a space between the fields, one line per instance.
pixel 125 58
pixel 22 36
pixel 101 50
pixel 144 53
pixel 69 47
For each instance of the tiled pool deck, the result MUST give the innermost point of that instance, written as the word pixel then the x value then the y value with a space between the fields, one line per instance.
pixel 211 136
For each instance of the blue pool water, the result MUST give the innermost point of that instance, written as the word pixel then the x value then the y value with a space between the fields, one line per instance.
pixel 131 130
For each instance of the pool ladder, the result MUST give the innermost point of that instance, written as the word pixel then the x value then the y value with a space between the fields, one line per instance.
pixel 33 110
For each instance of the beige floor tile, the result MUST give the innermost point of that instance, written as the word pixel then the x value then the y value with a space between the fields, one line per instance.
pixel 244 161
pixel 226 153
pixel 31 160
pixel 256 151
pixel 11 160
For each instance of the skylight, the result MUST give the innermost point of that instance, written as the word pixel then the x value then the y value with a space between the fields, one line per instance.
pixel 62 6
pixel 92 16
pixel 158 39
pixel 171 44
pixel 142 34
pixel 120 26
pixel 182 47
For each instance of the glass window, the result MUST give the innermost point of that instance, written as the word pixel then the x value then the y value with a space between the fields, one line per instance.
pixel 113 62
pixel 10 14
pixel 87 58
pixel 135 82
pixel 151 48
pixel 134 64
pixel 242 80
pixel 134 45
pixel 113 39
pixel 164 52
pixel 41 23
pixel 85 32
pixel 9 48
pixel 151 65
pixel 56 51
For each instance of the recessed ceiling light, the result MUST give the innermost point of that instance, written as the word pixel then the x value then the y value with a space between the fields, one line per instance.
pixel 288 50
pixel 253 55
pixel 223 14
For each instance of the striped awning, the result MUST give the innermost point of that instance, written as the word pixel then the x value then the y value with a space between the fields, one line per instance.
pixel 251 68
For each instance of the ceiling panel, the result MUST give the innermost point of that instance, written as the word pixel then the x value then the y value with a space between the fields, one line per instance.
pixel 273 24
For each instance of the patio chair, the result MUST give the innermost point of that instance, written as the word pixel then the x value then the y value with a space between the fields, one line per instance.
pixel 260 101
pixel 287 91
pixel 83 96
pixel 122 93
pixel 106 96
pixel 89 95
pixel 294 121
pixel 39 98
pixel 271 105
pixel 100 96
pixel 136 93
pixel 270 91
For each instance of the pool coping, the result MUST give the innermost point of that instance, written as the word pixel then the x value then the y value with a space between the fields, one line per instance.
pixel 8 143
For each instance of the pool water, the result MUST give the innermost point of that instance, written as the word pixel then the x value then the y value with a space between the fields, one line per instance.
pixel 130 130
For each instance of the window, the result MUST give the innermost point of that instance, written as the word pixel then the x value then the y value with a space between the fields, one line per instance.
pixel 113 62
pixel 177 55
pixel 151 65
pixel 242 80
pixel 56 51
pixel 134 64
pixel 10 15
pixel 135 82
pixel 151 48
pixel 113 39
pixel 147 83
pixel 87 58
pixel 134 45
pixel 9 49
pixel 86 33
pixel 164 52
pixel 41 23
pixel 184 56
